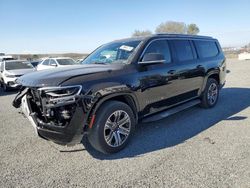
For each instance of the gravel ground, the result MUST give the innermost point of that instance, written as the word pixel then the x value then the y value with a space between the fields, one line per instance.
pixel 194 148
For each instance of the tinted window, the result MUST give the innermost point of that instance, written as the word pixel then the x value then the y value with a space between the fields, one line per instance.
pixel 160 46
pixel 66 61
pixel 46 62
pixel 183 50
pixel 206 48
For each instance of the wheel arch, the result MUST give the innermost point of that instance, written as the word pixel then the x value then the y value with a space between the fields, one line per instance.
pixel 127 98
pixel 215 74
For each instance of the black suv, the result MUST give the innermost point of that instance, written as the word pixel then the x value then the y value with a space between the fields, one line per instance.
pixel 120 84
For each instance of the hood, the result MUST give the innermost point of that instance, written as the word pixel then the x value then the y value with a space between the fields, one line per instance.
pixel 54 77
pixel 19 72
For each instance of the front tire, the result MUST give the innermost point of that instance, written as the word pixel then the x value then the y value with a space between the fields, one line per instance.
pixel 210 95
pixel 113 127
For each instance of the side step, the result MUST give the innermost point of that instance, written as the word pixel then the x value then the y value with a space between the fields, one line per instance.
pixel 170 111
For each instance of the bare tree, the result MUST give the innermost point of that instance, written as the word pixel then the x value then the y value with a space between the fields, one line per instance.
pixel 172 27
pixel 138 33
pixel 193 29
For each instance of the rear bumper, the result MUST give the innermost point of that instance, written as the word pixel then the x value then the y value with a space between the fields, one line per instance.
pixel 67 135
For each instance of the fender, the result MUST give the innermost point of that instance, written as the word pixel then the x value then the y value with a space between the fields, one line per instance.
pixel 208 74
pixel 102 95
pixel 130 98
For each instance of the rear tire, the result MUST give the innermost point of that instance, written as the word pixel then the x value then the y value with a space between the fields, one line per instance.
pixel 113 127
pixel 210 95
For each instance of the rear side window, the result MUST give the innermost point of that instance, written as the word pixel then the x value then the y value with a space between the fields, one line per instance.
pixel 206 48
pixel 183 50
pixel 160 46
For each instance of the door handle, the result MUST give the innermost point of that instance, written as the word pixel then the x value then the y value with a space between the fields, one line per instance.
pixel 171 72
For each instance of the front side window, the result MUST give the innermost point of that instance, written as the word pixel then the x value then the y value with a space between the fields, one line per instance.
pixel 161 47
pixel 17 65
pixel 183 50
pixel 115 52
pixel 52 62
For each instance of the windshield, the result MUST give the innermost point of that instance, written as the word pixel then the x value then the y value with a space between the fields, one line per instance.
pixel 116 52
pixel 17 65
pixel 66 61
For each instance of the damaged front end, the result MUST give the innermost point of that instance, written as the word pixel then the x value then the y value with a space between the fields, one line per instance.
pixel 58 114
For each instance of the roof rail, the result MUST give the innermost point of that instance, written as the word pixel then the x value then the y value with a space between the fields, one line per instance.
pixel 183 35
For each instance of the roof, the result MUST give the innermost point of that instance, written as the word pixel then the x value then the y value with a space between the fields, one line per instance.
pixel 5 56
pixel 163 35
pixel 59 58
pixel 183 36
pixel 20 60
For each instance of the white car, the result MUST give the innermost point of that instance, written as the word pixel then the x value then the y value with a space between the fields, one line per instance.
pixel 11 70
pixel 5 58
pixel 50 63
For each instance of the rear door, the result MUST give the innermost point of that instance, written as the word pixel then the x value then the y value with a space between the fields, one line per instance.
pixel 189 72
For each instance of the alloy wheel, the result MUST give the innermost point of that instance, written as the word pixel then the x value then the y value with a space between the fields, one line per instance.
pixel 117 128
pixel 212 94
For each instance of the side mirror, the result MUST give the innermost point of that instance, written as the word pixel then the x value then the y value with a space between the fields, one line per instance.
pixel 53 65
pixel 152 58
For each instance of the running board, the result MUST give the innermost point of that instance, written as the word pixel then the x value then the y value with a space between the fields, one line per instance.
pixel 170 111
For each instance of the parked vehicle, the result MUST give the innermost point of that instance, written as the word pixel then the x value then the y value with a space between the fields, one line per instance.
pixel 51 63
pixel 5 58
pixel 12 69
pixel 120 84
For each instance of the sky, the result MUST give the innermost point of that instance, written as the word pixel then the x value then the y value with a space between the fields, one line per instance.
pixel 62 26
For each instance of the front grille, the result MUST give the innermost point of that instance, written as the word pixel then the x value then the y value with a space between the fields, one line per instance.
pixel 48 115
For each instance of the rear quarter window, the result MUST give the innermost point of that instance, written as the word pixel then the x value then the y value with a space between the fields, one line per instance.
pixel 206 49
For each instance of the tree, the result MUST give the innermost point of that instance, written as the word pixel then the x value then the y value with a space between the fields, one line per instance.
pixel 193 29
pixel 172 27
pixel 138 33
pixel 35 56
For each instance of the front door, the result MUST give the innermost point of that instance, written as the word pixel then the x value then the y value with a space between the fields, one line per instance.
pixel 158 81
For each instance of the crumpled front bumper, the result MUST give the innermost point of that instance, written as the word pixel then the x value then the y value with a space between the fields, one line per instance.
pixel 70 134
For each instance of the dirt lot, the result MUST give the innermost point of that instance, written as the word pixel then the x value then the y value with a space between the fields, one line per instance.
pixel 195 148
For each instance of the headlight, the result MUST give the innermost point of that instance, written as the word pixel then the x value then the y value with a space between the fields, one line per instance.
pixel 60 95
pixel 9 75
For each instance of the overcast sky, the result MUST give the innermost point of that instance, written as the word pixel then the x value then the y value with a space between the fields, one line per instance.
pixel 58 26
